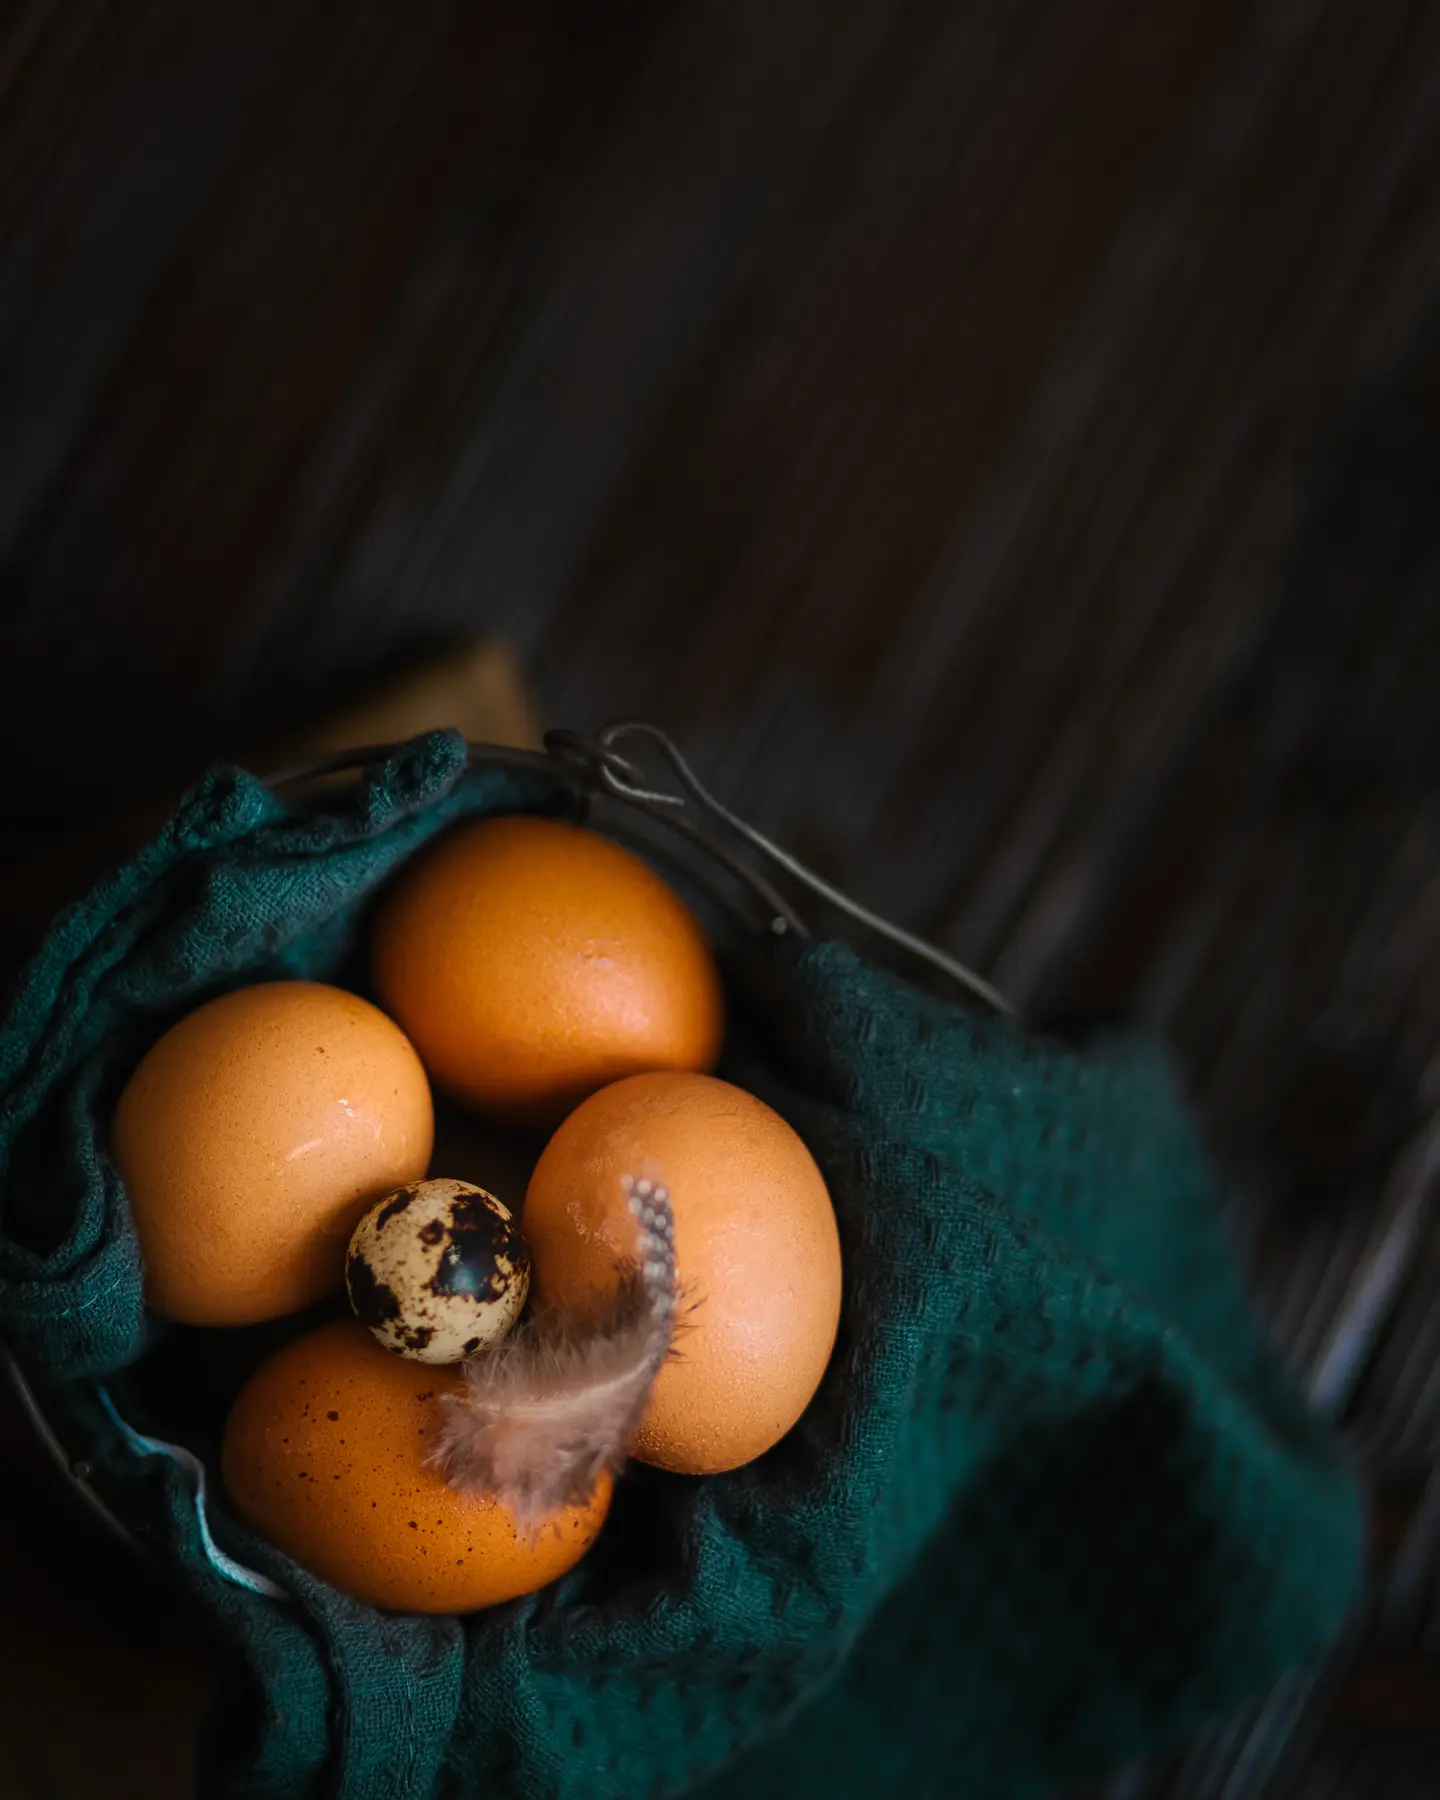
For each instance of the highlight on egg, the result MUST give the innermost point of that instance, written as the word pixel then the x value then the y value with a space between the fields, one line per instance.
pixel 253 1135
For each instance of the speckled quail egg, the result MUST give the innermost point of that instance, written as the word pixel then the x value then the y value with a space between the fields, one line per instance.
pixel 438 1270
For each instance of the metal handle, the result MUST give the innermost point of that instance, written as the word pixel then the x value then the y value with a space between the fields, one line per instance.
pixel 599 760
pixel 597 766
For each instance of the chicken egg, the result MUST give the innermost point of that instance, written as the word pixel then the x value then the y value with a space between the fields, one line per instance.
pixel 756 1255
pixel 328 1452
pixel 253 1135
pixel 532 962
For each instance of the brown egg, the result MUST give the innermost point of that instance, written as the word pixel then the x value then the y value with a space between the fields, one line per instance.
pixel 252 1137
pixel 325 1454
pixel 531 962
pixel 757 1255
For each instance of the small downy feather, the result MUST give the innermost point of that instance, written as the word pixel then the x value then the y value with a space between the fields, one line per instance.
pixel 556 1404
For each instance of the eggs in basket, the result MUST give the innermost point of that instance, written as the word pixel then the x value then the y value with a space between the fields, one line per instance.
pixel 670 1291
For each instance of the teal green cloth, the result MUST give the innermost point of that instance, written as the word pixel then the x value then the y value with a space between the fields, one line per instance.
pixel 1052 1505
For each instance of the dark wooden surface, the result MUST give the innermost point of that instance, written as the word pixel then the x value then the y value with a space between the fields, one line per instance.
pixel 1000 439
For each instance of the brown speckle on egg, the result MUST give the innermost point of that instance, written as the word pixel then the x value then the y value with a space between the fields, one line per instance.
pixel 377 1519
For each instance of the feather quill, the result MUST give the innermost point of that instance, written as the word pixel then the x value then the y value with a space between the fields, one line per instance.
pixel 543 1415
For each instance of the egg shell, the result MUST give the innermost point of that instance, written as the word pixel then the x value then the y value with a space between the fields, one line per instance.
pixel 757 1255
pixel 325 1455
pixel 251 1138
pixel 437 1271
pixel 532 962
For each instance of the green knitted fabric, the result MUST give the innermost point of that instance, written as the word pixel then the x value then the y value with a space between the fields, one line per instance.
pixel 1051 1506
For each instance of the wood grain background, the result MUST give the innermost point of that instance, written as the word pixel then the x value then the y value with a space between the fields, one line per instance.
pixel 1000 438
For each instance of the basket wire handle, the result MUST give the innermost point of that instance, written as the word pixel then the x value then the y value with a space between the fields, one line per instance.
pixel 597 765
pixel 614 774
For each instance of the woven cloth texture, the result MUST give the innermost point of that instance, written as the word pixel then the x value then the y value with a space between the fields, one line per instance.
pixel 1052 1506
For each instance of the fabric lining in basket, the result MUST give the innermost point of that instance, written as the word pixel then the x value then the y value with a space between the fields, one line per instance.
pixel 1053 1504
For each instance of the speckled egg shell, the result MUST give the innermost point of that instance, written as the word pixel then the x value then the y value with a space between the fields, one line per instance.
pixel 438 1270
pixel 327 1453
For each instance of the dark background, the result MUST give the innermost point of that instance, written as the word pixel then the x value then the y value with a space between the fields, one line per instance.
pixel 999 438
